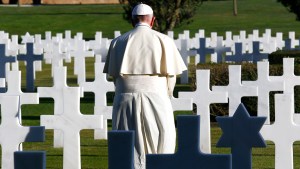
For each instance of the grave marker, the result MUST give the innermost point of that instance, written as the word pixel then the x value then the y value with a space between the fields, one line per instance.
pixel 71 122
pixel 257 56
pixel 235 89
pixel 264 86
pixel 57 92
pixel 203 97
pixel 203 50
pixel 120 149
pixel 220 49
pixel 27 38
pixel 283 132
pixel 100 86
pixel 4 60
pixel 241 133
pixel 10 124
pixel 30 58
pixel 55 56
pixel 185 53
pixel 79 60
pixel 239 56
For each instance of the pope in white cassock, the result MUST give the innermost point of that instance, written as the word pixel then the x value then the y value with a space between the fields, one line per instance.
pixel 144 64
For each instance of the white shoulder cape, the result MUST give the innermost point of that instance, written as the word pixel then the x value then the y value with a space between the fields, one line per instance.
pixel 143 51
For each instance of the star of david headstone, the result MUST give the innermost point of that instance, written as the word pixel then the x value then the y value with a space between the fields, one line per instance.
pixel 241 133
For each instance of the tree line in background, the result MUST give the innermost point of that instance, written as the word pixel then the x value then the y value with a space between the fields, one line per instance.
pixel 292 6
pixel 172 13
pixel 168 13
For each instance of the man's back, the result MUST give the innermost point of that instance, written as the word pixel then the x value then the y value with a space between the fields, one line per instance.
pixel 143 51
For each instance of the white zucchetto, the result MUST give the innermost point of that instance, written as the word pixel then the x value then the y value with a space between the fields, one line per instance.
pixel 142 9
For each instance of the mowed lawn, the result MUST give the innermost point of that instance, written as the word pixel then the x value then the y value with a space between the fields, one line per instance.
pixel 213 16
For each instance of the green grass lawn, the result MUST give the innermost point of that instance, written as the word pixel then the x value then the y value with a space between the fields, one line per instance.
pixel 213 16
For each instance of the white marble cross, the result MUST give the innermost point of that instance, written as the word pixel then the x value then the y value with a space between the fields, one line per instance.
pixel 294 42
pixel 14 89
pixel 185 53
pixel 279 40
pixel 100 86
pixel 95 44
pixel 79 54
pixel 203 97
pixel 4 37
pixel 180 104
pixel 71 122
pixel 288 77
pixel 12 134
pixel 220 49
pixel 283 132
pixel 13 47
pixel 47 42
pixel 235 88
pixel 264 86
pixel 55 56
pixel 117 34
pixel 228 42
pixel 57 92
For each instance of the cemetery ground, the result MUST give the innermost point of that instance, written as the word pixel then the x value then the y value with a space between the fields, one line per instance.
pixel 94 153
pixel 213 16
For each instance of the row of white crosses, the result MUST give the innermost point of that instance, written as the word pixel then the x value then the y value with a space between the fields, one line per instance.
pixel 67 121
pixel 236 48
pixel 285 117
pixel 61 93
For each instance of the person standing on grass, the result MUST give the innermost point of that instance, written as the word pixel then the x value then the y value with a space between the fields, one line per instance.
pixel 144 64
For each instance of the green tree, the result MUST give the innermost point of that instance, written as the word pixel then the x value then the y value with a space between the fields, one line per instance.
pixel 292 6
pixel 168 13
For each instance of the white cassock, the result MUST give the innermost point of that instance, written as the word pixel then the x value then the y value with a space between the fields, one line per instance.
pixel 141 62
